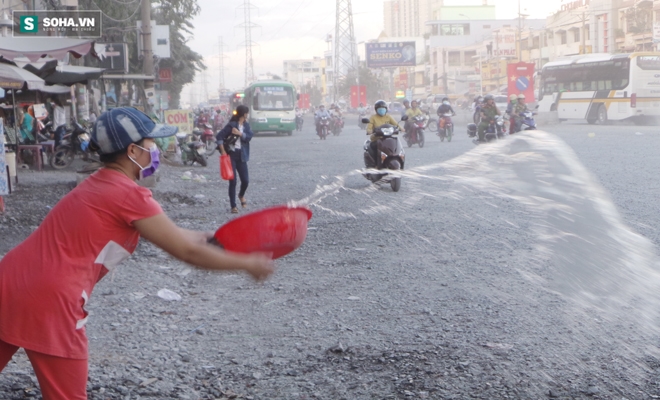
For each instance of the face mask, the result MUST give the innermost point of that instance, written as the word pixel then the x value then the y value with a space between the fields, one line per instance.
pixel 382 111
pixel 152 167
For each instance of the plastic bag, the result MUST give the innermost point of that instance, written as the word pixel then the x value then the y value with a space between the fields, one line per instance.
pixel 226 170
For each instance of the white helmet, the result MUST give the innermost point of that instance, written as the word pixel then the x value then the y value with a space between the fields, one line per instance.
pixel 521 96
pixel 446 102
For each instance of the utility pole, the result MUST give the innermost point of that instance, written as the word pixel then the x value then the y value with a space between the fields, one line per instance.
pixel 247 24
pixel 147 52
pixel 221 67
pixel 583 35
pixel 444 71
pixel 345 49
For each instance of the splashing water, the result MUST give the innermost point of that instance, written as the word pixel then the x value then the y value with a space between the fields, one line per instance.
pixel 581 250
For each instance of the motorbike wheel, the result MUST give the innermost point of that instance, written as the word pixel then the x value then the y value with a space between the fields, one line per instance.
pixel 395 184
pixel 62 157
pixel 201 159
pixel 409 142
pixel 210 148
pixel 442 133
pixel 433 125
pixel 450 132
pixel 420 139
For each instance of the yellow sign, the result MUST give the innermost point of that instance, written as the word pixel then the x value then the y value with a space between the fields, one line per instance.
pixel 183 119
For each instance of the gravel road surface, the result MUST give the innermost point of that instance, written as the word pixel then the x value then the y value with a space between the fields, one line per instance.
pixel 444 290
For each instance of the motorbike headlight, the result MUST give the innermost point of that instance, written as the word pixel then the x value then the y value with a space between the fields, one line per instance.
pixel 388 131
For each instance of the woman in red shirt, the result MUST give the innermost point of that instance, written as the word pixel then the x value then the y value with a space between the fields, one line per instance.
pixel 46 280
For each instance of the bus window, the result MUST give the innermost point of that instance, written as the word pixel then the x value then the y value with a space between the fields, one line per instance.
pixel 276 98
pixel 649 62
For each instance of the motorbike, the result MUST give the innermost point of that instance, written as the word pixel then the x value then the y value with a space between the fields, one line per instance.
pixel 192 149
pixel 75 141
pixel 391 155
pixel 363 115
pixel 324 127
pixel 417 134
pixel 431 123
pixel 446 128
pixel 337 125
pixel 472 130
pixel 207 137
pixel 496 129
pixel 527 121
pixel 299 122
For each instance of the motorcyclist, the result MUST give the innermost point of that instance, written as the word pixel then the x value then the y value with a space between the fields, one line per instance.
pixel 412 112
pixel 445 108
pixel 519 108
pixel 488 112
pixel 406 107
pixel 322 112
pixel 513 99
pixel 380 118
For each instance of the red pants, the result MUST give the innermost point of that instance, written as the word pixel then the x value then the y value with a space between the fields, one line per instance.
pixel 59 378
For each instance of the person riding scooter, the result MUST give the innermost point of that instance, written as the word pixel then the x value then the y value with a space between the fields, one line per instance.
pixel 445 108
pixel 518 109
pixel 513 99
pixel 488 112
pixel 412 112
pixel 322 112
pixel 380 118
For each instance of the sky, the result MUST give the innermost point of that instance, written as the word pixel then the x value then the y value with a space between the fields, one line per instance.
pixel 295 29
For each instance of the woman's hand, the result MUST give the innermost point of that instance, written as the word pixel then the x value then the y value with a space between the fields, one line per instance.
pixel 235 131
pixel 260 266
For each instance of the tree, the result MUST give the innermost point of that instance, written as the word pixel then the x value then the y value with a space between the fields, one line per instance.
pixel 315 95
pixel 374 84
pixel 639 18
pixel 119 23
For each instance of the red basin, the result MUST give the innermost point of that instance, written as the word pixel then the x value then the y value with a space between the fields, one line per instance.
pixel 278 230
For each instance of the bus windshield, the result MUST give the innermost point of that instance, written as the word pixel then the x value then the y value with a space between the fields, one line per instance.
pixel 273 98
pixel 602 75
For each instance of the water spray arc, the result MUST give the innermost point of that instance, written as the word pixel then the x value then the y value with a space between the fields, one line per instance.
pixel 345 52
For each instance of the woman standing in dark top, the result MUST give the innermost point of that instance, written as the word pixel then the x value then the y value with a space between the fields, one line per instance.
pixel 234 139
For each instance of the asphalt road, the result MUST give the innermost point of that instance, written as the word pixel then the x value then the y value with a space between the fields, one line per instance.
pixel 458 286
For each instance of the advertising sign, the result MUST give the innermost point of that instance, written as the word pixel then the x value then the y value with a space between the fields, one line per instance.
pixel 505 43
pixel 397 54
pixel 183 119
pixel 358 95
pixel 165 75
pixel 57 24
pixel 520 77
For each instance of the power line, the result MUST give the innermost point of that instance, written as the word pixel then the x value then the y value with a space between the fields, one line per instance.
pixel 117 20
pixel 247 7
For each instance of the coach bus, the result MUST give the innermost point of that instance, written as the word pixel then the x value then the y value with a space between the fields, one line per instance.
pixel 272 106
pixel 602 87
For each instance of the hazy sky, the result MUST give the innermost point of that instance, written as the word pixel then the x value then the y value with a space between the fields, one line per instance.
pixel 293 29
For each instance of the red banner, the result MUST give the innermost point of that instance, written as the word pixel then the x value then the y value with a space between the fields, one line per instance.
pixel 358 95
pixel 521 80
pixel 303 101
pixel 165 75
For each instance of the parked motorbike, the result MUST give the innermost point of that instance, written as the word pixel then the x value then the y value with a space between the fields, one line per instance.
pixel 337 125
pixel 206 135
pixel 446 128
pixel 391 155
pixel 193 150
pixel 324 128
pixel 416 136
pixel 75 141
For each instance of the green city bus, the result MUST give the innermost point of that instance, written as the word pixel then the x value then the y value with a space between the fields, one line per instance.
pixel 272 106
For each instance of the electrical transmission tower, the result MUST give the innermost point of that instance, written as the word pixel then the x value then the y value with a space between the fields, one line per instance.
pixel 247 24
pixel 346 59
pixel 221 68
pixel 205 87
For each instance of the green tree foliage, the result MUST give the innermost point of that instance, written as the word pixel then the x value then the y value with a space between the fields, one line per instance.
pixel 640 18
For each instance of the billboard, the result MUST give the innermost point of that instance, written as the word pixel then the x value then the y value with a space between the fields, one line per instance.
pixel 521 79
pixel 183 119
pixel 394 54
pixel 505 43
